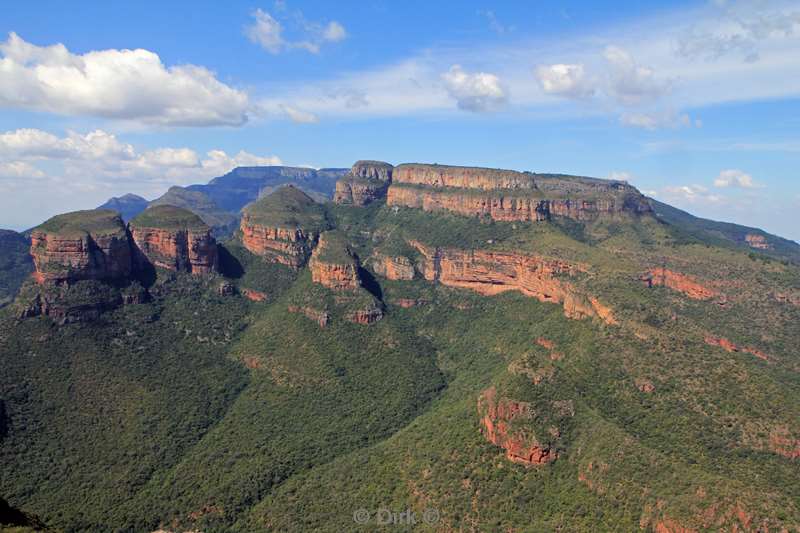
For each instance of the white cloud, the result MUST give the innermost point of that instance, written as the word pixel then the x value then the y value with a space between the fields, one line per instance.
pixel 19 169
pixel 99 156
pixel 267 32
pixel 117 84
pixel 494 23
pixel 691 194
pixel 658 119
pixel 564 80
pixel 299 116
pixel 477 92
pixel 620 176
pixel 629 82
pixel 735 178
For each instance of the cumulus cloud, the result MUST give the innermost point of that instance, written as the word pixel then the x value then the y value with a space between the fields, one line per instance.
pixel 620 176
pixel 100 155
pixel 564 80
pixel 629 82
pixel 117 84
pixel 267 32
pixel 692 194
pixel 476 92
pixel 735 178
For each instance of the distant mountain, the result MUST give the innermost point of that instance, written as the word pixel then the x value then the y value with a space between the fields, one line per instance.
pixel 243 185
pixel 15 263
pixel 128 205
pixel 223 222
pixel 721 233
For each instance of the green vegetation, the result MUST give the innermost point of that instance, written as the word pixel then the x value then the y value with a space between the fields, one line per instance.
pixel 197 411
pixel 95 222
pixel 334 247
pixel 16 264
pixel 169 217
pixel 200 204
pixel 288 207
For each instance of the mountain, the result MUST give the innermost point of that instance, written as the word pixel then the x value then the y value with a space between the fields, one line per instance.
pixel 128 205
pixel 242 185
pixel 15 264
pixel 725 232
pixel 202 205
pixel 451 348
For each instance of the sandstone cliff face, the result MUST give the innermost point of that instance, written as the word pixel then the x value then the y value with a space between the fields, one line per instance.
pixel 366 182
pixel 661 277
pixel 510 196
pixel 498 417
pixel 491 273
pixel 728 346
pixel 74 247
pixel 291 247
pixel 179 250
pixel 758 242
pixel 333 265
pixel 392 267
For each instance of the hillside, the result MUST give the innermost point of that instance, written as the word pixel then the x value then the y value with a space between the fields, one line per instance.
pixel 490 350
pixel 16 264
pixel 127 205
pixel 199 203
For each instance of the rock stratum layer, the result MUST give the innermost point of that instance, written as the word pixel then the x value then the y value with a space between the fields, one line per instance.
pixel 333 264
pixel 500 418
pixel 176 239
pixel 508 195
pixel 661 277
pixel 84 245
pixel 283 227
pixel 490 273
pixel 366 182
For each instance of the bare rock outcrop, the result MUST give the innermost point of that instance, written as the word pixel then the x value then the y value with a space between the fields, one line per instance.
pixel 366 182
pixel 688 285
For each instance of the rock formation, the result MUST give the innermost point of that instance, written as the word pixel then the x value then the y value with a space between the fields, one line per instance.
pixel 366 182
pixel 176 239
pixel 728 346
pixel 758 242
pixel 283 227
pixel 661 277
pixel 83 245
pixel 333 264
pixel 395 267
pixel 489 273
pixel 508 195
pixel 320 317
pixel 499 419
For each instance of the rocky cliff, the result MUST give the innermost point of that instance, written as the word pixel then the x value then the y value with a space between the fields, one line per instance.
pixel 366 182
pixel 490 272
pixel 333 264
pixel 83 245
pixel 662 277
pixel 283 227
pixel 508 195
pixel 176 239
pixel 394 267
pixel 503 424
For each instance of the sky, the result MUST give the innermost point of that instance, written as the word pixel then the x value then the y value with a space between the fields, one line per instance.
pixel 695 103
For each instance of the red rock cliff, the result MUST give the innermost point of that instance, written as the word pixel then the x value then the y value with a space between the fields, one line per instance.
pixel 491 273
pixel 333 265
pixel 85 245
pixel 497 424
pixel 661 277
pixel 366 182
pixel 291 247
pixel 180 250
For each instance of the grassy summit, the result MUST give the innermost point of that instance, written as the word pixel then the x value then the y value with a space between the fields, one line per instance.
pixel 77 223
pixel 288 207
pixel 169 217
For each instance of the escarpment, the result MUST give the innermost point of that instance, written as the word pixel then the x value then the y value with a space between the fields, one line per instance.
pixel 174 238
pixel 503 423
pixel 366 182
pixel 283 227
pixel 491 272
pixel 662 277
pixel 508 195
pixel 83 245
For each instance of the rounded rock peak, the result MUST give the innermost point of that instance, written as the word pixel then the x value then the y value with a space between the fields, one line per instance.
pixel 378 170
pixel 168 217
pixel 76 223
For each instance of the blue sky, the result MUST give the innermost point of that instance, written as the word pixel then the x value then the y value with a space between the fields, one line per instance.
pixel 695 103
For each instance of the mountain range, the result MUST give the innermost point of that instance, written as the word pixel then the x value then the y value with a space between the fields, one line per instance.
pixel 454 348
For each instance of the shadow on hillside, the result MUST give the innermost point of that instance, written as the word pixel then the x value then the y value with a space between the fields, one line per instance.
pixel 370 283
pixel 228 264
pixel 3 420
